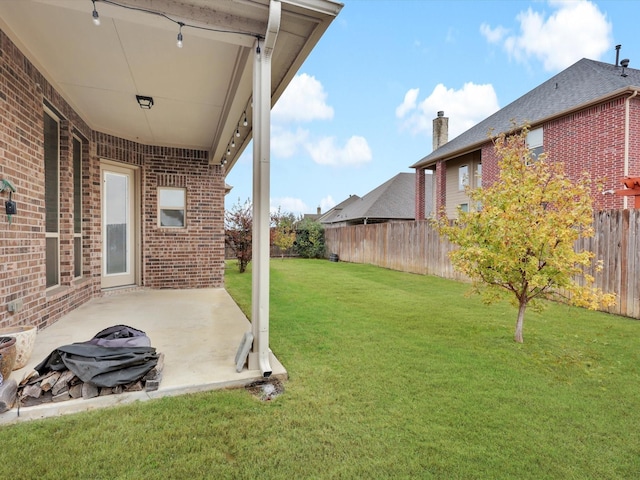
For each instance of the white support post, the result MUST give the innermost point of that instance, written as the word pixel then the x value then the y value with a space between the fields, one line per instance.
pixel 263 50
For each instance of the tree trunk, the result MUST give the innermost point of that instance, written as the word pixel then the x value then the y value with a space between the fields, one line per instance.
pixel 518 335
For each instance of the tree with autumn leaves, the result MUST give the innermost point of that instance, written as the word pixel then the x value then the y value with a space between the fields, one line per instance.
pixel 519 241
pixel 283 230
pixel 238 227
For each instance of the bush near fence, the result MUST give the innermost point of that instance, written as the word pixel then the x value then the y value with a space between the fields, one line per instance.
pixel 416 247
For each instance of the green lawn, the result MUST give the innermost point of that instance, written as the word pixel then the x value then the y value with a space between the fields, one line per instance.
pixel 392 375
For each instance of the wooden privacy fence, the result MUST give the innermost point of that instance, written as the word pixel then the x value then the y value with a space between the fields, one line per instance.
pixel 416 247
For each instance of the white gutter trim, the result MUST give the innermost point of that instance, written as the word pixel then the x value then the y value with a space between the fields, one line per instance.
pixel 627 103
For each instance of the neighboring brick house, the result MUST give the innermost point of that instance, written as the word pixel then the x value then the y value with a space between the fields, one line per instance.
pixel 587 116
pixel 115 192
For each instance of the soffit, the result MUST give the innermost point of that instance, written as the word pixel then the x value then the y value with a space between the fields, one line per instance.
pixel 200 91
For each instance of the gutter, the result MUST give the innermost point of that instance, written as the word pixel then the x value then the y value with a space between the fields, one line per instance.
pixel 259 357
pixel 627 103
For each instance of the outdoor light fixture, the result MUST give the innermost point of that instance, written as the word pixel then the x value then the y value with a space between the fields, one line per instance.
pixel 145 102
pixel 96 20
pixel 237 132
pixel 233 143
pixel 245 123
pixel 228 151
pixel 96 17
pixel 179 42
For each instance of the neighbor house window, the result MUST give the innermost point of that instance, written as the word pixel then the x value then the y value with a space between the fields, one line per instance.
pixel 478 175
pixel 172 207
pixel 463 177
pixel 77 207
pixel 534 143
pixel 464 207
pixel 52 198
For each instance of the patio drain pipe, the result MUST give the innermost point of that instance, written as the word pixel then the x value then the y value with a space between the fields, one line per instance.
pixel 259 356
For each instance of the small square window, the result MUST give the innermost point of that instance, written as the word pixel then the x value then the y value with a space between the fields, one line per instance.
pixel 464 207
pixel 172 207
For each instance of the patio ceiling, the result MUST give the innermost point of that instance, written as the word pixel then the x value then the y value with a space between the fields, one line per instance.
pixel 200 91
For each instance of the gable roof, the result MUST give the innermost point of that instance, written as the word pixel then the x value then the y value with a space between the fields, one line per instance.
pixel 330 215
pixel 584 83
pixel 393 200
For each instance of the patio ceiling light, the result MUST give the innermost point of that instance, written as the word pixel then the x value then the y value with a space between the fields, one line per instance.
pixel 96 17
pixel 145 102
pixel 179 42
pixel 96 20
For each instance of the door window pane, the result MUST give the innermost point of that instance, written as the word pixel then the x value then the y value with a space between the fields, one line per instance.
pixel 116 213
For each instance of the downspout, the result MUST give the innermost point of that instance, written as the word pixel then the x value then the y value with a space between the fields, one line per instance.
pixel 259 356
pixel 627 107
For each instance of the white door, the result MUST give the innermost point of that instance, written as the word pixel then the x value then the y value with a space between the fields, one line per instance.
pixel 118 226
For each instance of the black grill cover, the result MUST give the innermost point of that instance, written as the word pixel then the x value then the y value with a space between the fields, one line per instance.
pixel 115 356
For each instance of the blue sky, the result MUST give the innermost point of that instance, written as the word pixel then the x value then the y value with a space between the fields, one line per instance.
pixel 360 109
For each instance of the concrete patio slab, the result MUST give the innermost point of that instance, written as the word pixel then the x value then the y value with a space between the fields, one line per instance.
pixel 198 331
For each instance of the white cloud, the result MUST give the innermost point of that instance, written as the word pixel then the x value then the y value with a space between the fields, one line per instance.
pixel 493 35
pixel 409 102
pixel 464 108
pixel 451 36
pixel 286 143
pixel 289 205
pixel 354 153
pixel 304 100
pixel 327 203
pixel 575 30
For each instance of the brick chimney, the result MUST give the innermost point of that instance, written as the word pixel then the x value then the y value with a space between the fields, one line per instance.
pixel 440 130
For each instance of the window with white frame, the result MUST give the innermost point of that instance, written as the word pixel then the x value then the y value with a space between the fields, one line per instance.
pixel 464 207
pixel 172 204
pixel 463 177
pixel 534 143
pixel 77 207
pixel 52 198
pixel 478 174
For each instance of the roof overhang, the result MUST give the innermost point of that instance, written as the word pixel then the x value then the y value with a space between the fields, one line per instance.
pixel 201 92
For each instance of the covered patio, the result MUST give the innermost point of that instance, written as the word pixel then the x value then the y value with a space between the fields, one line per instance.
pixel 197 330
pixel 121 120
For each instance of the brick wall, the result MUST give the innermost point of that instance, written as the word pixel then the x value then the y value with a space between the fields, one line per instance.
pixel 190 258
pixel 592 141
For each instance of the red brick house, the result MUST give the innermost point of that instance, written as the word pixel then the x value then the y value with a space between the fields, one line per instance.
pixel 118 126
pixel 587 116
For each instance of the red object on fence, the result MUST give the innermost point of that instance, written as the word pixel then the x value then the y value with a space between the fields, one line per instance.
pixel 632 189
